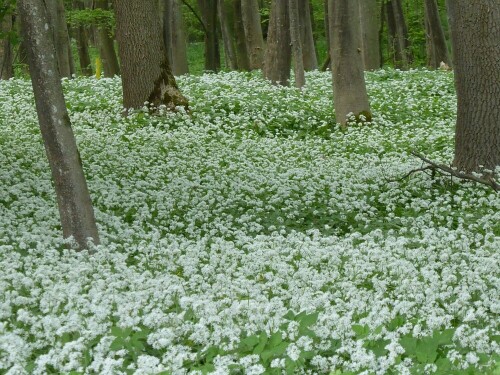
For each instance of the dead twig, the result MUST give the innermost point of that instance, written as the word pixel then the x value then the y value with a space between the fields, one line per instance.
pixel 484 180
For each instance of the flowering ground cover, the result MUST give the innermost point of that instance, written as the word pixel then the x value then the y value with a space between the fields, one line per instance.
pixel 250 236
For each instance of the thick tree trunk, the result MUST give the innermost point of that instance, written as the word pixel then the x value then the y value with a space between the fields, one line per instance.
pixel 75 206
pixel 174 36
pixel 475 35
pixel 146 72
pixel 107 46
pixel 398 34
pixel 208 10
pixel 278 52
pixel 253 33
pixel 349 89
pixel 6 57
pixel 227 37
pixel 293 7
pixel 82 42
pixel 370 24
pixel 306 35
pixel 239 34
pixel 436 42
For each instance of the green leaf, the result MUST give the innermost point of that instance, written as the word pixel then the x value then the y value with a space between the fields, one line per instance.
pixel 308 320
pixel 361 331
pixel 409 343
pixel 443 366
pixel 117 344
pixel 275 339
pixel 290 366
pixel 262 344
pixel 427 350
pixel 248 343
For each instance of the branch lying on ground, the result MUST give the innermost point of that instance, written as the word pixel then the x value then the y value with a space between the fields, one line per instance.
pixel 485 180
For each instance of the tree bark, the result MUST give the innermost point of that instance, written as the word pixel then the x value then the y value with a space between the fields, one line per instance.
pixel 57 19
pixel 475 32
pixel 306 34
pixel 107 46
pixel 398 34
pixel 227 37
pixel 75 206
pixel 253 33
pixel 6 57
pixel 349 89
pixel 146 72
pixel 293 7
pixel 174 36
pixel 370 24
pixel 82 42
pixel 208 10
pixel 239 33
pixel 278 57
pixel 436 42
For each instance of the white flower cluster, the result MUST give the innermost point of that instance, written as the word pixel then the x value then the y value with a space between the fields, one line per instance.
pixel 216 222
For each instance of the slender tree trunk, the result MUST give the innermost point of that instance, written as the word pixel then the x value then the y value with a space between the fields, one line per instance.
pixel 146 72
pixel 107 46
pixel 82 43
pixel 349 89
pixel 475 32
pixel 293 7
pixel 227 37
pixel 174 36
pixel 208 10
pixel 278 52
pixel 239 33
pixel 328 60
pixel 370 24
pixel 398 34
pixel 57 18
pixel 436 42
pixel 75 206
pixel 6 57
pixel 306 35
pixel 253 33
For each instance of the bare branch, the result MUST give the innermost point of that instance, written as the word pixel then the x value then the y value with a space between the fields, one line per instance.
pixel 484 180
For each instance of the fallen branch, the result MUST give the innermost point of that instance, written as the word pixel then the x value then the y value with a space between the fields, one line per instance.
pixel 485 180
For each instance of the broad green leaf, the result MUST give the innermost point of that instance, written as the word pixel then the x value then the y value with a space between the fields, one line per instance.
pixel 409 343
pixel 262 344
pixel 309 320
pixel 117 344
pixel 248 343
pixel 427 350
pixel 275 339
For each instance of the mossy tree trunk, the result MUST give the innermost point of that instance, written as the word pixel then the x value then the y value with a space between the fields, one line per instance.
pixel 146 72
pixel 306 35
pixel 242 57
pixel 296 41
pixel 107 46
pixel 370 25
pixel 208 10
pixel 75 206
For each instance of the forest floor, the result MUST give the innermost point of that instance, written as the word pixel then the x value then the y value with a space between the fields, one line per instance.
pixel 251 234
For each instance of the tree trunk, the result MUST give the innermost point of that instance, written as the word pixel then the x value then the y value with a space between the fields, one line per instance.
pixel 6 57
pixel 278 52
pixel 107 46
pixel 57 19
pixel 75 206
pixel 398 34
pixel 475 32
pixel 370 24
pixel 253 33
pixel 436 42
pixel 82 42
pixel 227 37
pixel 146 72
pixel 208 10
pixel 306 34
pixel 293 7
pixel 239 33
pixel 349 89
pixel 174 36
